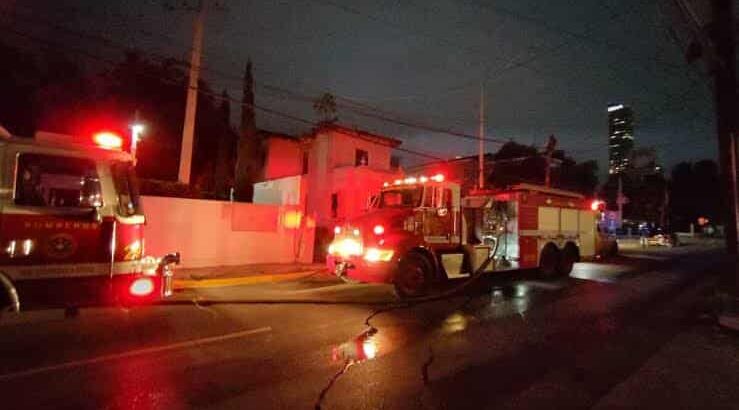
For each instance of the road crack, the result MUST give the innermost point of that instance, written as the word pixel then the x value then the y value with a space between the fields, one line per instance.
pixel 348 364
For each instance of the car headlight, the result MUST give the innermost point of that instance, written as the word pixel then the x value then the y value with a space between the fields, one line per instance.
pixel 377 255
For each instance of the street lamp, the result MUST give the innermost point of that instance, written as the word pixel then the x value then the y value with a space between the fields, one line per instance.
pixel 137 129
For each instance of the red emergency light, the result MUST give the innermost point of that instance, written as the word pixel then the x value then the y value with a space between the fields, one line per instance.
pixel 597 205
pixel 108 140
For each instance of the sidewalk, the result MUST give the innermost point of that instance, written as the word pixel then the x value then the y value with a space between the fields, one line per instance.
pixel 697 369
pixel 217 276
pixel 728 297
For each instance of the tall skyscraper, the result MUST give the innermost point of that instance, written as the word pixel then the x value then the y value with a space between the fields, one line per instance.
pixel 620 137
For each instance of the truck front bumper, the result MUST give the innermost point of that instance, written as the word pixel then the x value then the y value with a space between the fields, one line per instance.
pixel 159 272
pixel 356 268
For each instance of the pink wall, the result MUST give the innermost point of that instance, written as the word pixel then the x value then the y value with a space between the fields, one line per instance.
pixel 343 150
pixel 285 158
pixel 213 233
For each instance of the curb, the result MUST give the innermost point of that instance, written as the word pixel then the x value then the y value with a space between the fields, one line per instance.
pixel 180 284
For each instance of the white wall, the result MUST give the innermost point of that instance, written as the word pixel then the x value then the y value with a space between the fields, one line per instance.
pixel 282 191
pixel 213 233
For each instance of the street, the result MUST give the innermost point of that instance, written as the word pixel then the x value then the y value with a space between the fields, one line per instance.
pixel 511 341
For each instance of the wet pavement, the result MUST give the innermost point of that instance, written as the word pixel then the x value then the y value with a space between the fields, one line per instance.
pixel 511 341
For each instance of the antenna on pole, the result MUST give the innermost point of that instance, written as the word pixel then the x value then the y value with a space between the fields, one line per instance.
pixel 481 154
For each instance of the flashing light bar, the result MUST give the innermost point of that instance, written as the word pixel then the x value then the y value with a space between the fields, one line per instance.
pixel 108 140
pixel 615 107
pixel 413 180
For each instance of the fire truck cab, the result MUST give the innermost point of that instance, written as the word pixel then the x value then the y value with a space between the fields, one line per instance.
pixel 71 225
pixel 421 230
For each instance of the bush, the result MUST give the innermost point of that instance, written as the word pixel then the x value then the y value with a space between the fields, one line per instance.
pixel 158 187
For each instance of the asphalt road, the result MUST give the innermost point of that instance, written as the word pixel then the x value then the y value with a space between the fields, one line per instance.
pixel 512 342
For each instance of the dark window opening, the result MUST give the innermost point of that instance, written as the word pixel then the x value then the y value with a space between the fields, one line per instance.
pixel 305 162
pixel 361 158
pixel 334 205
pixel 394 162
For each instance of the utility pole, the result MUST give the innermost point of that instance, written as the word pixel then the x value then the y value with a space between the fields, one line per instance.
pixel 481 154
pixel 188 130
pixel 721 33
pixel 551 145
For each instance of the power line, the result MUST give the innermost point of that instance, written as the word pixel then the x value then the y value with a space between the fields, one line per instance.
pixel 586 37
pixel 118 46
pixel 84 53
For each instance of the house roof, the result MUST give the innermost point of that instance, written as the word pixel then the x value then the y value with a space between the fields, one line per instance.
pixel 379 139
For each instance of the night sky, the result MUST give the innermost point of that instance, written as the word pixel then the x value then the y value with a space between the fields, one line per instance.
pixel 548 67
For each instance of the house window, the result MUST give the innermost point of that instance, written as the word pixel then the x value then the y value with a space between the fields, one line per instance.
pixel 334 205
pixel 394 162
pixel 361 158
pixel 305 162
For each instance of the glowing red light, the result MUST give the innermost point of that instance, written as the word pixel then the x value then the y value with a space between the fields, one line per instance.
pixel 108 140
pixel 142 287
pixel 337 230
pixel 596 205
pixel 378 229
pixel 438 178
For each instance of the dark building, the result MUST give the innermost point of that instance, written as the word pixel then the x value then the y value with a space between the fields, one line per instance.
pixel 620 138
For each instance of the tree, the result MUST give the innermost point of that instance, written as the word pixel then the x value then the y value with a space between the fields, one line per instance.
pixel 250 150
pixel 695 191
pixel 20 80
pixel 516 163
pixel 325 108
pixel 226 157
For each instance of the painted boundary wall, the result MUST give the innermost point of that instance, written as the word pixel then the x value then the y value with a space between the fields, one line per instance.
pixel 218 233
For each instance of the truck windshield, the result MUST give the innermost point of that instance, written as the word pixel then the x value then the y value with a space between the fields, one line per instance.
pixel 57 182
pixel 401 197
pixel 127 188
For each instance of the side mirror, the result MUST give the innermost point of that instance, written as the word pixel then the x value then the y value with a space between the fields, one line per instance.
pixel 370 202
pixel 91 194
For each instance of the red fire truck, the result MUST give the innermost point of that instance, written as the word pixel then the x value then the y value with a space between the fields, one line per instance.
pixel 420 230
pixel 71 225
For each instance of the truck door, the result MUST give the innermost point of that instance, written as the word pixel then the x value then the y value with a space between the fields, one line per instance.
pixel 438 217
pixel 51 226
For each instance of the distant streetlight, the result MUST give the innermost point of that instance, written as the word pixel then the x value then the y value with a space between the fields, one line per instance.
pixel 137 129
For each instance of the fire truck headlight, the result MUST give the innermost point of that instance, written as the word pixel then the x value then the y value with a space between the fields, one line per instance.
pixel 378 255
pixel 379 229
pixel 350 247
pixel 345 248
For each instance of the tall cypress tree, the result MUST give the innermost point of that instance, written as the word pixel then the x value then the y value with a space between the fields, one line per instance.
pixel 248 161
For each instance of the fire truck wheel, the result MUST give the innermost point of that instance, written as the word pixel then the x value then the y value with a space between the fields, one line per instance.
pixel 414 274
pixel 567 259
pixel 549 261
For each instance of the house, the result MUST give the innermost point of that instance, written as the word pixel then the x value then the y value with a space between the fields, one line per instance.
pixel 332 171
